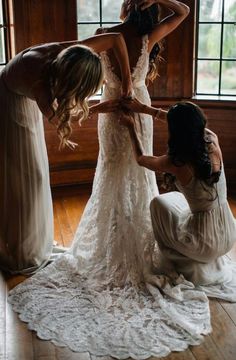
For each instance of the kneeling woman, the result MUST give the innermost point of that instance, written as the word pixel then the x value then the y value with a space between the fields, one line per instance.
pixel 194 226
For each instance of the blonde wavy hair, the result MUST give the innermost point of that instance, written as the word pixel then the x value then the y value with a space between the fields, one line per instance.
pixel 77 74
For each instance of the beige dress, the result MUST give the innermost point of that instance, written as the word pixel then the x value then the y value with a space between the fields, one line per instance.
pixel 26 215
pixel 194 229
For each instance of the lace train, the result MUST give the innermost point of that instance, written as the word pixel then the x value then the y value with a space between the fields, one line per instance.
pixel 63 307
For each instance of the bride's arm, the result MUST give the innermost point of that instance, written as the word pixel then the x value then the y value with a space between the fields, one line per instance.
pixel 116 42
pixel 179 12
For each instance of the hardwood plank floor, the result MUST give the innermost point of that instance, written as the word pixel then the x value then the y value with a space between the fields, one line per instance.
pixel 18 343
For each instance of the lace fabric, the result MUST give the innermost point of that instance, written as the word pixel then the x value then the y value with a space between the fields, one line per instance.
pixel 107 294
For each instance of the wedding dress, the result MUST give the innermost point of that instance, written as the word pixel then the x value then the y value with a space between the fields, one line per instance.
pixel 106 295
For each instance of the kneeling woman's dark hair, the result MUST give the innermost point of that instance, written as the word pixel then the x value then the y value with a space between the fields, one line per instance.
pixel 187 143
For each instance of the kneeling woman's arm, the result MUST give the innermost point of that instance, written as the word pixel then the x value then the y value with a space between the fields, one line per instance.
pixel 155 163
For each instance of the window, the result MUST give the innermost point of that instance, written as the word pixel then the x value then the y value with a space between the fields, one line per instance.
pixel 92 14
pixel 216 48
pixel 3 57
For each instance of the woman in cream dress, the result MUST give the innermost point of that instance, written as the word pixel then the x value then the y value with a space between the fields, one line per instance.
pixel 52 78
pixel 194 226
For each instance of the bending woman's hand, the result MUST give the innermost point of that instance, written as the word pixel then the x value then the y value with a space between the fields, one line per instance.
pixel 104 107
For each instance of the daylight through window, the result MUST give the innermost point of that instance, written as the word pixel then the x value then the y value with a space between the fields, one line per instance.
pixel 216 50
pixel 92 14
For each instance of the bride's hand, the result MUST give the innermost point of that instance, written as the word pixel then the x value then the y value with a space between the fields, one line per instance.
pixel 144 4
pixel 127 89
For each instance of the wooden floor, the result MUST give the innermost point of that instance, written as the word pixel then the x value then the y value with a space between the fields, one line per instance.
pixel 18 343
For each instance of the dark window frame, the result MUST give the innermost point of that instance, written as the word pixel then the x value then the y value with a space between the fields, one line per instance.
pixel 100 22
pixel 3 26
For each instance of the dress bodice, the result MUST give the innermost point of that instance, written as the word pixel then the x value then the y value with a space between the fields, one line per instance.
pixel 202 197
pixel 138 73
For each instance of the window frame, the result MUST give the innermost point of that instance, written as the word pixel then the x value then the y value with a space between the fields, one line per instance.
pixel 100 22
pixel 220 59
pixel 4 26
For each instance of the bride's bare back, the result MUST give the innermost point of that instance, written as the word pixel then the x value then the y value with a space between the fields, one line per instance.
pixel 132 37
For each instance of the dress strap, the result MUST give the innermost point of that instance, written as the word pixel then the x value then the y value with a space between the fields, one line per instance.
pixel 145 42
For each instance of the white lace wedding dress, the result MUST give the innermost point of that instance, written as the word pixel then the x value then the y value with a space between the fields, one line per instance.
pixel 105 295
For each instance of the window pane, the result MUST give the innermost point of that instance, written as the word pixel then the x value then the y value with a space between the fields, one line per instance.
pixel 228 83
pixel 229 41
pixel 86 30
pixel 2 47
pixel 111 10
pixel 88 10
pixel 230 10
pixel 210 10
pixel 208 77
pixel 209 40
pixel 1 15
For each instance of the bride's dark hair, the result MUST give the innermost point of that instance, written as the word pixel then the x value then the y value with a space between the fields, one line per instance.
pixel 187 142
pixel 145 21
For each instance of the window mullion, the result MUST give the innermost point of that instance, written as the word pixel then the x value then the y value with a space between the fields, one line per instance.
pixel 221 45
pixel 100 12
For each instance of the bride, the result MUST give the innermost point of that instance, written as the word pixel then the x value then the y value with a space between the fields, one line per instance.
pixel 105 294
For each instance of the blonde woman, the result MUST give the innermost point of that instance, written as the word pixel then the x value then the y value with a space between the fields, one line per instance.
pixel 57 79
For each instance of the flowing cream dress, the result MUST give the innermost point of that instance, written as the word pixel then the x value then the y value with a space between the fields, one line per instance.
pixel 26 214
